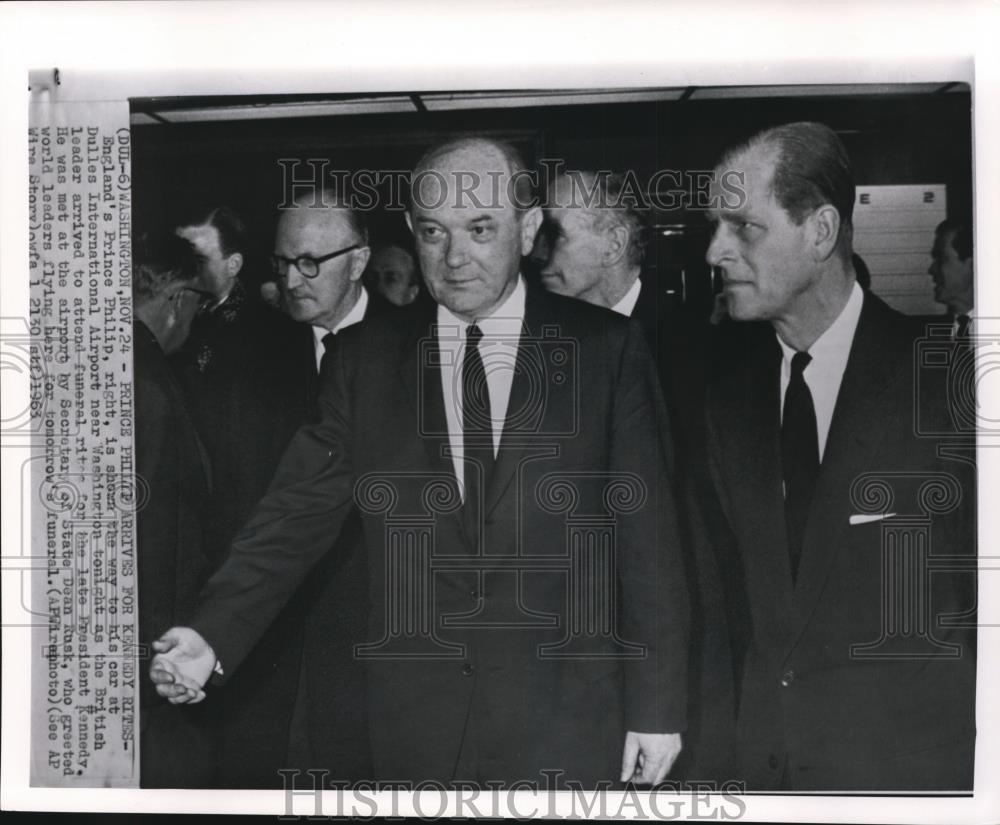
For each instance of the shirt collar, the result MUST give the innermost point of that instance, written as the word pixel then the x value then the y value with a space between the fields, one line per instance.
pixel 629 299
pixel 356 315
pixel 839 335
pixel 507 318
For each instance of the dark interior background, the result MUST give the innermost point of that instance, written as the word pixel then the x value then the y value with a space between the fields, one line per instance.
pixel 893 138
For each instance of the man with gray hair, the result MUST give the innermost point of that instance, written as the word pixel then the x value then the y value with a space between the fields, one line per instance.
pixel 595 240
pixel 474 434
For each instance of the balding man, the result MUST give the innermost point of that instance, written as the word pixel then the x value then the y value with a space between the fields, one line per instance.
pixel 479 436
pixel 320 252
pixel 594 242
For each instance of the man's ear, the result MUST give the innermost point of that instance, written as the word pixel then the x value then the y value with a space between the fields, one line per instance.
pixel 531 221
pixel 409 222
pixel 359 262
pixel 825 227
pixel 234 264
pixel 617 244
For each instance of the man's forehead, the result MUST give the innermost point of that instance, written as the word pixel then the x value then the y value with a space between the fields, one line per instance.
pixel 314 221
pixel 475 177
pixel 742 183
pixel 203 233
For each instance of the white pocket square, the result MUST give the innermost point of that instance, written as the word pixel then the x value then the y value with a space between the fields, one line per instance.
pixel 866 518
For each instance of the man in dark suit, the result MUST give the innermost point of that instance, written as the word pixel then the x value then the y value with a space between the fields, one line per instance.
pixel 320 254
pixel 504 448
pixel 248 383
pixel 595 238
pixel 860 673
pixel 951 271
pixel 177 751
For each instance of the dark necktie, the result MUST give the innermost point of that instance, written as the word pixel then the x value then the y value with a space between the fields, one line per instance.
pixel 312 396
pixel 477 427
pixel 328 345
pixel 799 456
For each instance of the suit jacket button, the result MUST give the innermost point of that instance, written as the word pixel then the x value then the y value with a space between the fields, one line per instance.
pixel 467 670
pixel 787 678
pixel 772 762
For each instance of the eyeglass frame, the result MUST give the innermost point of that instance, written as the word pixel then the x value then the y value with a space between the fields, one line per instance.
pixel 277 260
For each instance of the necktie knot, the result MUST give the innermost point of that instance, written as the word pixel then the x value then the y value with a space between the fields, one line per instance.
pixel 473 335
pixel 328 342
pixel 799 363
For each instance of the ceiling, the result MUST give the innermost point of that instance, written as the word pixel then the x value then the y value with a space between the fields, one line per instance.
pixel 149 111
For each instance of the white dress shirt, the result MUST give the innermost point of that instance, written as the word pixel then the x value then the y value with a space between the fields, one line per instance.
pixel 629 300
pixel 825 372
pixel 356 315
pixel 498 349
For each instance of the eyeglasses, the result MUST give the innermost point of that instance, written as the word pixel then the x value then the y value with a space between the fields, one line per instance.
pixel 306 264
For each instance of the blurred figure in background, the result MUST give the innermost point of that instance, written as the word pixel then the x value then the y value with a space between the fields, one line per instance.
pixel 951 272
pixel 177 750
pixel 392 273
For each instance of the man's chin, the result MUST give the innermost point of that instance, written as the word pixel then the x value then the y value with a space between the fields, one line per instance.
pixel 555 284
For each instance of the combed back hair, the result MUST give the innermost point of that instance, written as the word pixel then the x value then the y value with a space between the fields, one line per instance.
pixel 962 239
pixel 517 169
pixel 327 196
pixel 812 168
pixel 232 230
pixel 609 208
pixel 161 259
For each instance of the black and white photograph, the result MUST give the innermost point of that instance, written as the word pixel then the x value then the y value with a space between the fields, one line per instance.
pixel 436 434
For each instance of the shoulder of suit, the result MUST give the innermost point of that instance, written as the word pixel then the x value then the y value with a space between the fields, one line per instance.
pixel 579 317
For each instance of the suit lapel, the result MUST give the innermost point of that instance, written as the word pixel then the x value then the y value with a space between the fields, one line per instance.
pixel 523 419
pixel 420 373
pixel 858 425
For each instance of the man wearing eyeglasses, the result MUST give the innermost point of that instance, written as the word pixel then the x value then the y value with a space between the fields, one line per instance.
pixel 320 254
pixel 474 434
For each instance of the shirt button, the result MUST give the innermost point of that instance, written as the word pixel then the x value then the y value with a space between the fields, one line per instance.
pixel 787 678
pixel 467 670
pixel 772 762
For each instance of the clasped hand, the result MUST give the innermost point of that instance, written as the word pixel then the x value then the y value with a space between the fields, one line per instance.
pixel 182 665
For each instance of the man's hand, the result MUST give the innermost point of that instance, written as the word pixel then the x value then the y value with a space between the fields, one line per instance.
pixel 183 663
pixel 648 757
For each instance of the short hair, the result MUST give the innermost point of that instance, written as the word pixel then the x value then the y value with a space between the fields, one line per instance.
pixel 609 208
pixel 523 195
pixel 328 196
pixel 962 238
pixel 161 259
pixel 233 236
pixel 811 168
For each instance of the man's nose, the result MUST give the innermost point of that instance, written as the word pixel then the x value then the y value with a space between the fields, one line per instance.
pixel 718 247
pixel 292 276
pixel 456 252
